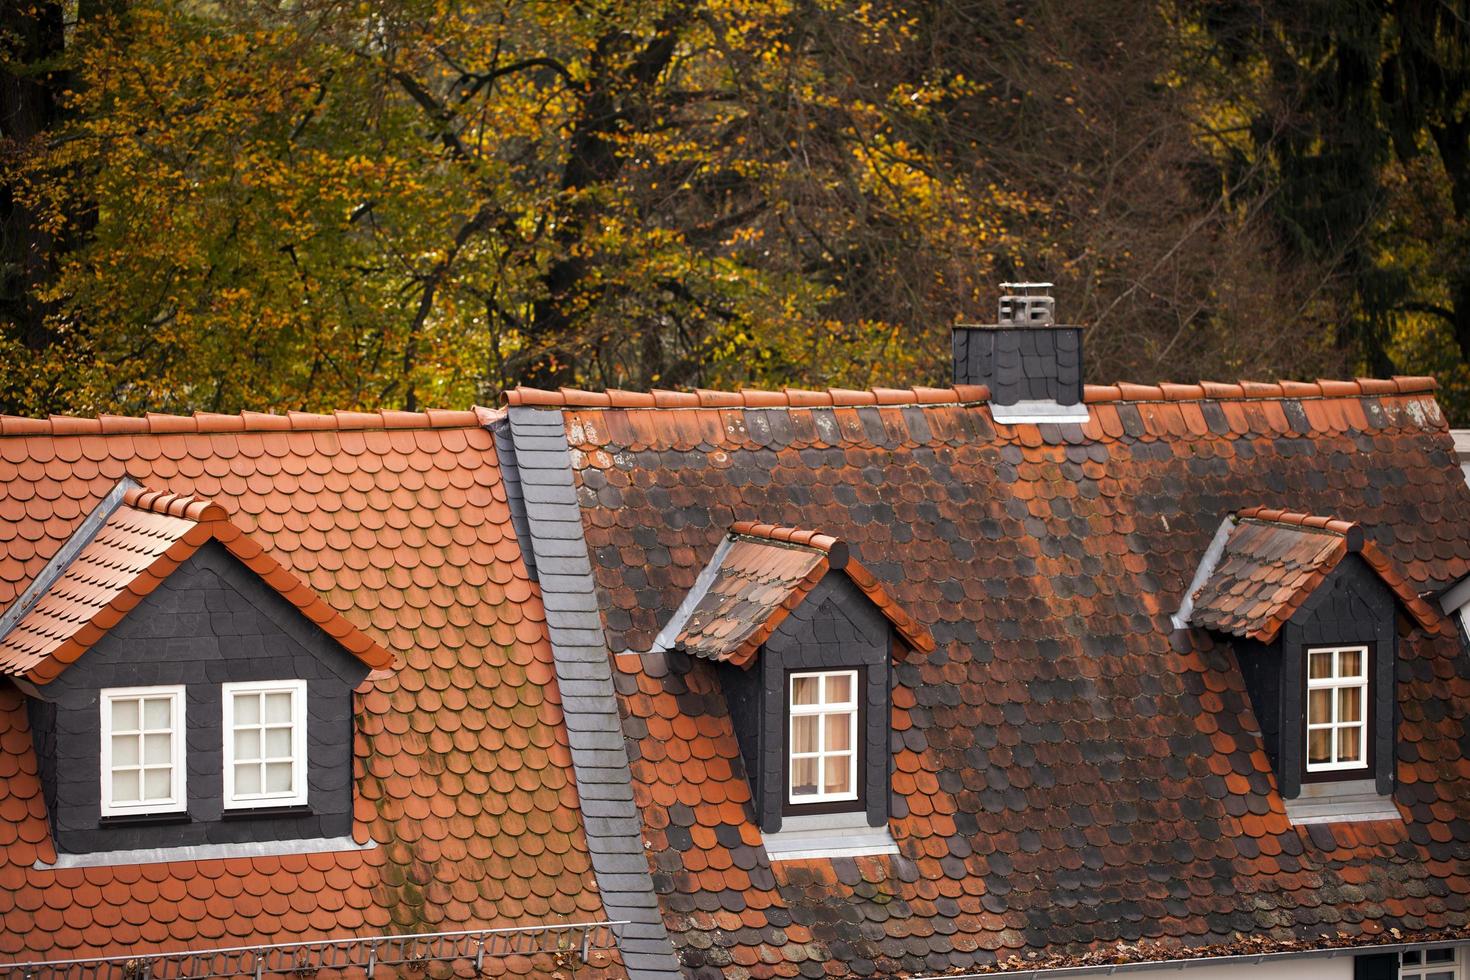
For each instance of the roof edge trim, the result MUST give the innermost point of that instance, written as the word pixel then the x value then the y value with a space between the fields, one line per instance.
pixel 1202 574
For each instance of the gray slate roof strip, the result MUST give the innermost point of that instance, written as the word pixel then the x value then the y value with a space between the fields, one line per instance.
pixel 505 454
pixel 584 677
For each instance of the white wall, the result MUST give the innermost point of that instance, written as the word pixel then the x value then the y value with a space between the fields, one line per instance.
pixel 1306 968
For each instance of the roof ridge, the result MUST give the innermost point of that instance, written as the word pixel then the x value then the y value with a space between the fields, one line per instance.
pixel 181 505
pixel 834 548
pixel 155 423
pixel 1351 530
pixel 1122 391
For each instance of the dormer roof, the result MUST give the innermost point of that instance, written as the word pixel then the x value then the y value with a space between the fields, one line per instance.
pixel 1274 560
pixel 100 577
pixel 757 577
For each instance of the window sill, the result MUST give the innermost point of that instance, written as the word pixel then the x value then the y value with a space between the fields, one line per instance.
pixel 828 836
pixel 1342 801
pixel 144 819
pixel 205 852
pixel 261 812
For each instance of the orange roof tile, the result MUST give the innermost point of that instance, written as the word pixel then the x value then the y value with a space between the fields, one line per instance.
pixel 957 394
pixel 400 525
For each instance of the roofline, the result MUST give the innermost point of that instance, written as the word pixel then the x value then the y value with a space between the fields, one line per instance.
pixel 1184 963
pixel 960 394
pixel 211 422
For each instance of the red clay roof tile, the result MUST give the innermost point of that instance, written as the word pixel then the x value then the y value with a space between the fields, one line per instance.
pixel 320 501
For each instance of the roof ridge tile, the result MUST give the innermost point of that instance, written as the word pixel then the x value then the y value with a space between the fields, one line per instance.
pixel 161 423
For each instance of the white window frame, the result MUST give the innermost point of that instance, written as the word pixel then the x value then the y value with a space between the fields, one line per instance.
pixel 1452 968
pixel 822 709
pixel 178 737
pixel 298 794
pixel 1335 683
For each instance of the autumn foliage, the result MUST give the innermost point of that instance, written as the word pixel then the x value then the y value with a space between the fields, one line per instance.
pixel 408 204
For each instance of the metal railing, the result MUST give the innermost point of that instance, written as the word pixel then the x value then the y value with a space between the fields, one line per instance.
pixel 568 944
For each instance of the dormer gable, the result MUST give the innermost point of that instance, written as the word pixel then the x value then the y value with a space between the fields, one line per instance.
pixel 183 689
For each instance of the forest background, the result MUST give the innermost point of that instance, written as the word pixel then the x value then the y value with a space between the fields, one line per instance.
pixel 316 204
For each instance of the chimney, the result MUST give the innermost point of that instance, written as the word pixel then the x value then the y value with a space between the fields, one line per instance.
pixel 1032 364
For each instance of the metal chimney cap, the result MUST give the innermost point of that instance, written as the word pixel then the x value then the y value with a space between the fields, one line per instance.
pixel 1027 285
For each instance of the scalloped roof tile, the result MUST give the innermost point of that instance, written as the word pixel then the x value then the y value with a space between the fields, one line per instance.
pixel 398 524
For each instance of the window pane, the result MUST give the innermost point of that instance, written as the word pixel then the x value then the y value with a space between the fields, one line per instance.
pixel 278 743
pixel 125 716
pixel 125 786
pixel 1411 958
pixel 1350 704
pixel 158 713
pixel 1443 955
pixel 838 780
pixel 278 707
pixel 804 733
pixel 157 784
pixel 247 779
pixel 278 777
pixel 803 777
pixel 124 750
pixel 1350 663
pixel 805 690
pixel 247 743
pixel 157 749
pixel 1348 744
pixel 839 689
pixel 1321 664
pixel 1319 706
pixel 839 731
pixel 1319 745
pixel 247 709
pixel 1440 975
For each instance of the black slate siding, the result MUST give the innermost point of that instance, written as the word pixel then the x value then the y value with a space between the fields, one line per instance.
pixel 212 622
pixel 835 627
pixel 1352 607
pixel 1042 363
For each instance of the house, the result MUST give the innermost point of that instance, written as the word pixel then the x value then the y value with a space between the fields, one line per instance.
pixel 1018 674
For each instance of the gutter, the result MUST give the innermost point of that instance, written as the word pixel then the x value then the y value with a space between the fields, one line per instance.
pixel 1242 959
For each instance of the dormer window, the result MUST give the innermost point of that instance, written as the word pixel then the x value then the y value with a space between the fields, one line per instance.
pixel 1337 712
pixel 825 726
pixel 162 603
pixel 142 750
pixel 805 637
pixel 1313 608
pixel 265 744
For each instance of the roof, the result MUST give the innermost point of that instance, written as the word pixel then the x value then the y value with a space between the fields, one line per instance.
pixel 1070 773
pixel 142 541
pixel 760 578
pixel 399 524
pixel 1272 563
